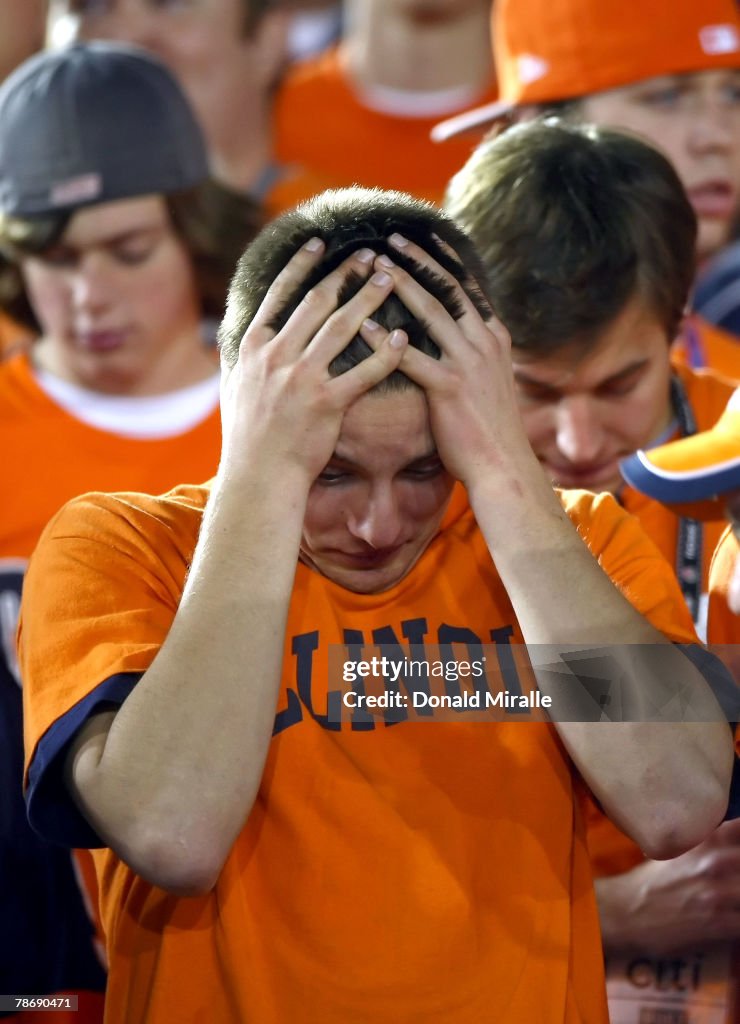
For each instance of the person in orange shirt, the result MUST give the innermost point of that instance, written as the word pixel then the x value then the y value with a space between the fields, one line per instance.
pixel 362 112
pixel 670 73
pixel 228 56
pixel 119 246
pixel 237 799
pixel 588 239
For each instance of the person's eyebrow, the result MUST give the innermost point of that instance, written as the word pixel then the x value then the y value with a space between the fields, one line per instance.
pixel 132 233
pixel 120 238
pixel 429 456
pixel 522 377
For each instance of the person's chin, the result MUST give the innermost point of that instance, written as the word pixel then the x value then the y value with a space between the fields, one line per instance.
pixel 597 478
pixel 361 576
pixel 713 234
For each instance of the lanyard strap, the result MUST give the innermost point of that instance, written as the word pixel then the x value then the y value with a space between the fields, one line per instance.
pixel 689 546
pixel 694 346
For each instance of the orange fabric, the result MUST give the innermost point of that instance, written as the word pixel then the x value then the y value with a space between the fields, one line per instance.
pixel 549 50
pixel 322 126
pixel 48 457
pixel 714 349
pixel 415 872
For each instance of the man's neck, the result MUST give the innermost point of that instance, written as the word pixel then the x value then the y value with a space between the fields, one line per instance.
pixel 389 49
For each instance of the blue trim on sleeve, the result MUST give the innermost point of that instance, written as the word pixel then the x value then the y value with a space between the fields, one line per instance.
pixel 51 809
pixel 733 807
pixel 718 677
pixel 727 692
pixel 679 487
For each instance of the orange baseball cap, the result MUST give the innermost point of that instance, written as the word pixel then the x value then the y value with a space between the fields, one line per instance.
pixel 692 475
pixel 550 50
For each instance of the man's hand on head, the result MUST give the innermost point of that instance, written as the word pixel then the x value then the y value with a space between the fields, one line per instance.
pixel 470 388
pixel 281 408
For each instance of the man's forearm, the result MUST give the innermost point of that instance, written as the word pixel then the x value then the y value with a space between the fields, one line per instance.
pixel 179 769
pixel 665 783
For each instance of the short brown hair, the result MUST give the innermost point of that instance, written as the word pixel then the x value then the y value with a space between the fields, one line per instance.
pixel 347 220
pixel 214 222
pixel 572 221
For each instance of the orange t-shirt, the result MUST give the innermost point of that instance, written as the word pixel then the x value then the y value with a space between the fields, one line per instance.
pixel 701 345
pixel 323 126
pixel 48 457
pixel 415 872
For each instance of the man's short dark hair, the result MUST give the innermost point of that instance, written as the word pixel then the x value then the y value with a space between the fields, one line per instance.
pixel 572 221
pixel 347 220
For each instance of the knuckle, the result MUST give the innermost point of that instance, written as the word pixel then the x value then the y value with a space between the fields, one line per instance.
pixel 343 319
pixel 717 869
pixel 317 296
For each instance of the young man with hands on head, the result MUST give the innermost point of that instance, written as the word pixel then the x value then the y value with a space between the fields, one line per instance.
pixel 186 733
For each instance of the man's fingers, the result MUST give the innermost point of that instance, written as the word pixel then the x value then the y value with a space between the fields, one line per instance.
pixel 424 306
pixel 342 326
pixel 349 386
pixel 317 305
pixel 423 369
pixel 419 255
pixel 294 271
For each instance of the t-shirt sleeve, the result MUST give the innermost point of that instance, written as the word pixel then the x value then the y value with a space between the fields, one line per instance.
pixel 99 597
pixel 648 581
pixel 626 553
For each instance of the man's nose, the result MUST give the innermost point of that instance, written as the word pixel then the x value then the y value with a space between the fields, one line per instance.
pixel 578 430
pixel 377 521
pixel 714 127
pixel 91 283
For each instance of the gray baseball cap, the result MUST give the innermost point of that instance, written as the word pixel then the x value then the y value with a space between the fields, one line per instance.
pixel 91 123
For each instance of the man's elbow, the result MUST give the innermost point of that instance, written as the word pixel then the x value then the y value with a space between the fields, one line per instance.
pixel 680 825
pixel 179 866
